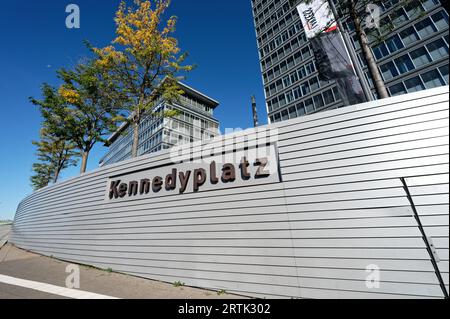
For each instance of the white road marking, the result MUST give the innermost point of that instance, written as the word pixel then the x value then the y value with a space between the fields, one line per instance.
pixel 52 289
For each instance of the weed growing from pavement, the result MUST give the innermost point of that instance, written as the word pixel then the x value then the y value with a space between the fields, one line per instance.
pixel 221 292
pixel 178 284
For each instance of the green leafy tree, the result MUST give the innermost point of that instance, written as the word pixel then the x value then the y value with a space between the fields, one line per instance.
pixel 84 109
pixel 362 15
pixel 145 61
pixel 42 176
pixel 55 152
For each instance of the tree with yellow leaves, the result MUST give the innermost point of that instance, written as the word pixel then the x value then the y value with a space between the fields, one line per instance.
pixel 144 60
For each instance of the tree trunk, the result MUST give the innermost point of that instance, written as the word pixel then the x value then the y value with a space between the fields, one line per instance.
pixel 59 166
pixel 84 159
pixel 134 149
pixel 56 176
pixel 368 54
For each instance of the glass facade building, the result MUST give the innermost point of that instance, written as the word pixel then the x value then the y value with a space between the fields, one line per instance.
pixel 412 57
pixel 195 122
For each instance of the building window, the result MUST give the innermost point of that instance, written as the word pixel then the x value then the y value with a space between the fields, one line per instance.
pixel 397 89
pixel 389 71
pixel 300 109
pixel 275 103
pixel 286 81
pixel 415 84
pixel 289 97
pixel 295 44
pixel 301 72
pixel 292 112
pixel 318 101
pixel 290 62
pixel 305 88
pixel 306 52
pixel 297 93
pixel 284 115
pixel 413 9
pixel 380 51
pixel 409 36
pixel 440 19
pixel 398 17
pixel 269 106
pixel 314 84
pixel 309 68
pixel 420 57
pixel 368 78
pixel 309 106
pixel 337 95
pixel 294 77
pixel 444 72
pixel 279 85
pixel 349 25
pixel 355 42
pixel 282 100
pixel 298 57
pixel 328 96
pixel 277 117
pixel 425 28
pixel 283 67
pixel 385 21
pixel 394 43
pixel 404 64
pixel 287 48
pixel 274 57
pixel 432 79
pixel 362 60
pixel 272 89
pixel 429 4
pixel 438 49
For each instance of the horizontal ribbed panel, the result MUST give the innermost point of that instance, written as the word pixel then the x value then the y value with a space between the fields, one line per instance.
pixel 339 208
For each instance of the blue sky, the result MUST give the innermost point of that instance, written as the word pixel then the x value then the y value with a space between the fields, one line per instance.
pixel 218 35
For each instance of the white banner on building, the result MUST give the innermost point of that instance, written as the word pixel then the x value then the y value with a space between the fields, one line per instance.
pixel 316 17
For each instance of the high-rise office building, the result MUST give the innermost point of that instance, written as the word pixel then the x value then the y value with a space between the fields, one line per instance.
pixel 195 122
pixel 412 57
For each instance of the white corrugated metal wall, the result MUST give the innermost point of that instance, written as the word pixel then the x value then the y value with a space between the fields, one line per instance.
pixel 340 208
